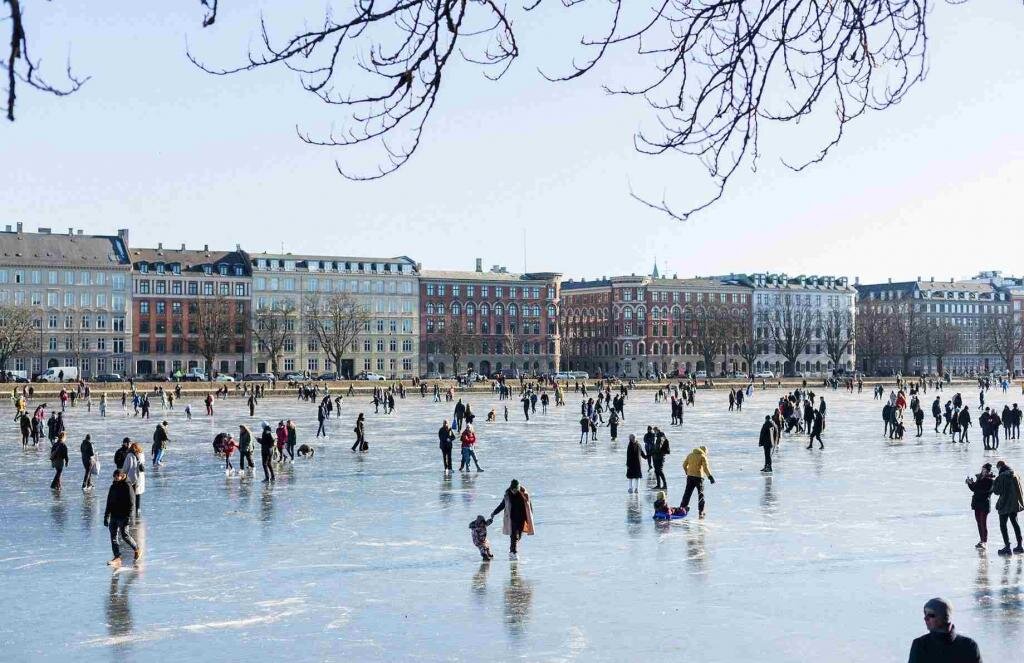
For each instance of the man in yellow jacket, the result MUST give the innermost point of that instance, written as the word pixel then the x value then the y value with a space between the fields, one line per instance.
pixel 696 467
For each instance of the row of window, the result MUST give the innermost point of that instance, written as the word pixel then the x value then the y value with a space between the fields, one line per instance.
pixel 99 343
pixel 178 346
pixel 160 307
pixel 53 299
pixel 456 290
pixel 65 277
pixel 498 348
pixel 175 268
pixel 85 322
pixel 393 305
pixel 637 294
pixel 499 327
pixel 438 308
pixel 222 288
pixel 313 284
pixel 333 265
pixel 160 327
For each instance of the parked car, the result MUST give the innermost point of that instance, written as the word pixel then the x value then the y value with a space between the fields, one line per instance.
pixel 327 376
pixel 154 377
pixel 764 375
pixel 701 375
pixel 258 377
pixel 293 377
pixel 57 373
pixel 223 377
pixel 195 374
pixel 107 377
pixel 371 376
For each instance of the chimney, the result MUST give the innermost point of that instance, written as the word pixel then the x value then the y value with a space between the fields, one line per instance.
pixel 890 279
pixel 206 247
pixel 44 231
pixel 71 231
pixel 122 233
pixel 931 279
pixel 159 246
pixel 19 227
pixel 8 227
pixel 238 247
pixel 918 279
pixel 183 246
pixel 856 280
pixel 79 232
pixel 479 264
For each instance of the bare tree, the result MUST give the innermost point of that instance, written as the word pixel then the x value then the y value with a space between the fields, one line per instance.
pixel 939 339
pixel 904 329
pixel 17 332
pixel 336 321
pixel 1002 335
pixel 743 334
pixel 872 335
pixel 837 330
pixel 457 342
pixel 512 344
pixel 790 325
pixel 210 318
pixel 273 327
pixel 711 327
pixel 713 73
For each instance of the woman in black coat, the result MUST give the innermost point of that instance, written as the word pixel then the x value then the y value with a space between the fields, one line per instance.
pixel 633 471
pixel 981 487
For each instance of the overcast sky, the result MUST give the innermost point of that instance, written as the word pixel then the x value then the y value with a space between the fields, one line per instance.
pixel 929 188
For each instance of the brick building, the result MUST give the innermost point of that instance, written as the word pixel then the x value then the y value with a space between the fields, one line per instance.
pixel 167 286
pixel 77 288
pixel 512 320
pixel 640 326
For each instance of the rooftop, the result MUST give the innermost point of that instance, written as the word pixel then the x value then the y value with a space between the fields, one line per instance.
pixel 48 249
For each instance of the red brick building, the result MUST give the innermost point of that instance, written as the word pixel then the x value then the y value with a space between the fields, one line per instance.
pixel 639 326
pixel 167 285
pixel 511 319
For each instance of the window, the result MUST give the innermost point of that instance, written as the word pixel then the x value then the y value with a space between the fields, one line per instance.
pixel 143 308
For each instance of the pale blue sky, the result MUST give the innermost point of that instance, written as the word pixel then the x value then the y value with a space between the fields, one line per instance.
pixel 929 188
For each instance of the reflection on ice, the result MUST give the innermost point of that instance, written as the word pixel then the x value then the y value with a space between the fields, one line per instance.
pixel 366 556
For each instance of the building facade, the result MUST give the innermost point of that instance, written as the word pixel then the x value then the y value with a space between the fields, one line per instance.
pixel 966 306
pixel 386 288
pixel 77 286
pixel 168 286
pixel 510 320
pixel 825 299
pixel 646 326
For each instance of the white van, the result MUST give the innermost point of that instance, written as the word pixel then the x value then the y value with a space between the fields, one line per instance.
pixel 53 374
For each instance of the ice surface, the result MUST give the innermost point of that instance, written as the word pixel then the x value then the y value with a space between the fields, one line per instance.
pixel 368 556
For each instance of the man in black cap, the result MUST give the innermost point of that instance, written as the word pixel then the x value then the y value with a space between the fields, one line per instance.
pixel 766 440
pixel 942 642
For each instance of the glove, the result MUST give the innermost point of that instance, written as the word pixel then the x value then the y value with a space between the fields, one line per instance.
pixel 711 478
pixel 489 521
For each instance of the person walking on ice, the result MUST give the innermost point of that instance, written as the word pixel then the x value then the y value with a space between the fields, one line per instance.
pixel 696 468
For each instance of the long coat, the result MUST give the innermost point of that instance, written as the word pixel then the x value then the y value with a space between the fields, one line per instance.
pixel 633 453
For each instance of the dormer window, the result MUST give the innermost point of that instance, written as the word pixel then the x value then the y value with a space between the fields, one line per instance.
pixel 144 267
pixel 207 269
pixel 160 268
pixel 238 270
pixel 222 270
pixel 176 268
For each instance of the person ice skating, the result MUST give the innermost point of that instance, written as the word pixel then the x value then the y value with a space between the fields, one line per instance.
pixel 964 420
pixel 116 518
pixel 468 440
pixel 942 644
pixel 293 438
pixel 518 516
pixel 696 468
pixel 59 460
pixel 660 450
pixel 1010 503
pixel 479 530
pixel 321 416
pixel 766 440
pixel 267 452
pixel 160 439
pixel 245 446
pixel 228 447
pixel 445 437
pixel 281 435
pixel 135 473
pixel 633 470
pixel 360 431
pixel 89 462
pixel 981 487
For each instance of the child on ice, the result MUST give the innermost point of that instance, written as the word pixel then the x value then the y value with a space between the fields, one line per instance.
pixel 188 412
pixel 229 448
pixel 479 529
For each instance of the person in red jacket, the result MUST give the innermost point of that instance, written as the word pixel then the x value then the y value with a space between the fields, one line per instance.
pixel 468 440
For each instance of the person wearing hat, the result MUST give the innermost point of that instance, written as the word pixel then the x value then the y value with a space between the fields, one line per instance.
pixel 1010 503
pixel 766 440
pixel 696 467
pixel 981 487
pixel 267 452
pixel 518 518
pixel 942 642
pixel 159 443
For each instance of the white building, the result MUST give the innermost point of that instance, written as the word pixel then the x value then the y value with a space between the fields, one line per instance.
pixel 78 287
pixel 817 295
pixel 386 287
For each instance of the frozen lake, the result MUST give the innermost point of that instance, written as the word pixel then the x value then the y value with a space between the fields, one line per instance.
pixel 368 556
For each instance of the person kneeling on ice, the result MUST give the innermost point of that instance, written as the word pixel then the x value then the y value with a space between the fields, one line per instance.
pixel 491 416
pixel 479 530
